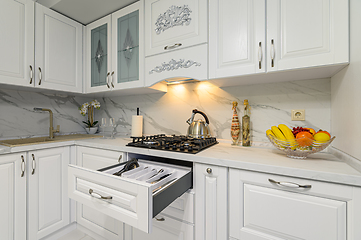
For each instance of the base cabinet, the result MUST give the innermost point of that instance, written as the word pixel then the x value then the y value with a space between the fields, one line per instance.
pixel 265 206
pixel 211 217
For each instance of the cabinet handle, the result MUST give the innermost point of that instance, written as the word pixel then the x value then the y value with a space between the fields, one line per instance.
pixel 108 80
pixel 112 79
pixel 97 195
pixel 260 55
pixel 120 158
pixel 33 164
pixel 160 219
pixel 289 184
pixel 209 170
pixel 31 74
pixel 40 76
pixel 22 166
pixel 272 53
pixel 173 46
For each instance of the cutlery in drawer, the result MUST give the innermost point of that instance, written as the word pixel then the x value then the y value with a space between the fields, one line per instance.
pixel 128 166
pixel 162 177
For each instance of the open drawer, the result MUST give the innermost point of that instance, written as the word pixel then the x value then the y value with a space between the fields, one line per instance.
pixel 134 198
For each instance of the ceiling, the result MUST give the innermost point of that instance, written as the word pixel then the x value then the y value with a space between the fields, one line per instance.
pixel 85 11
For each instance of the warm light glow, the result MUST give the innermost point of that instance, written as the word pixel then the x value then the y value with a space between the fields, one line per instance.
pixel 178 88
pixel 204 85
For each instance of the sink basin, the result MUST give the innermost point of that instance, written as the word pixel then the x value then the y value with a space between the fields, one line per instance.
pixel 39 140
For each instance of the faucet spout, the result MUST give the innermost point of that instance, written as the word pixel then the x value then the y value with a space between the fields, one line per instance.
pixel 51 128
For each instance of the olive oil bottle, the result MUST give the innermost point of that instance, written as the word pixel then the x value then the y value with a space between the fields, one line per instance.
pixel 246 134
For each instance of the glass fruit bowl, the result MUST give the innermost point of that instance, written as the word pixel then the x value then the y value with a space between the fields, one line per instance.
pixel 294 150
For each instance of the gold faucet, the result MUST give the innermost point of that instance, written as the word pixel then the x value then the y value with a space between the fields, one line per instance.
pixel 51 129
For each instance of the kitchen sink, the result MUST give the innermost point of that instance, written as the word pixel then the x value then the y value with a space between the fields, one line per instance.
pixel 39 140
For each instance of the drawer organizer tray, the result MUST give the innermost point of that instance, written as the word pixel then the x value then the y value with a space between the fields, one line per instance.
pixel 133 198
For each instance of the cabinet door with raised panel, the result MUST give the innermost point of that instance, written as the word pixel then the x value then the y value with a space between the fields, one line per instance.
pixel 174 24
pixel 13 196
pixel 94 220
pixel 211 202
pixel 98 55
pixel 58 51
pixel 47 190
pixel 237 37
pixel 17 42
pixel 307 33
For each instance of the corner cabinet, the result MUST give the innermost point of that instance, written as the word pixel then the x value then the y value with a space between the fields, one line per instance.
pixel 176 36
pixel 211 219
pixel 267 206
pixel 115 50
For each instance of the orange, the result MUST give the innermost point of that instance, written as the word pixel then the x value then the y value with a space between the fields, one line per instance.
pixel 304 139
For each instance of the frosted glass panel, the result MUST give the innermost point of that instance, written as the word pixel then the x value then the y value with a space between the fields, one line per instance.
pixel 99 55
pixel 128 47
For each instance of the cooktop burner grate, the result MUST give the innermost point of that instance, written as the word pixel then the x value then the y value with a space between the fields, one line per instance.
pixel 173 143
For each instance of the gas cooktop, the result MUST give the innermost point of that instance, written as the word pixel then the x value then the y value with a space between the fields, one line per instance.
pixel 173 143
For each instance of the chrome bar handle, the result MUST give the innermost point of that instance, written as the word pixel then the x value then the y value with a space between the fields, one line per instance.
pixel 33 164
pixel 40 76
pixel 260 55
pixel 120 158
pixel 31 74
pixel 112 79
pixel 108 80
pixel 97 195
pixel 22 166
pixel 289 184
pixel 272 53
pixel 173 46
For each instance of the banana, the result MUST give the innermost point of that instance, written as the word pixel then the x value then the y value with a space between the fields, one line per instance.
pixel 288 135
pixel 269 132
pixel 277 132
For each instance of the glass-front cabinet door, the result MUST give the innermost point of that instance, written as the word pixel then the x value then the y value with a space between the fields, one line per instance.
pixel 98 58
pixel 128 58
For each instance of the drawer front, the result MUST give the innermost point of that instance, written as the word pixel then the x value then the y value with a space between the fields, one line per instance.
pixel 135 197
pixel 182 208
pixel 186 63
pixel 93 158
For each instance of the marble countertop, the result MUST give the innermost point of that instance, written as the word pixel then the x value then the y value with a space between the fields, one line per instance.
pixel 319 166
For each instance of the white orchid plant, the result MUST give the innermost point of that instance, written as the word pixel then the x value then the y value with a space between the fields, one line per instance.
pixel 88 108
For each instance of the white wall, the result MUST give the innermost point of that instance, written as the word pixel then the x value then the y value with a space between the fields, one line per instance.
pixel 346 93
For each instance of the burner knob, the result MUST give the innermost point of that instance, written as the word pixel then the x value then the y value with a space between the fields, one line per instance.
pixel 174 146
pixel 190 148
pixel 181 147
pixel 166 145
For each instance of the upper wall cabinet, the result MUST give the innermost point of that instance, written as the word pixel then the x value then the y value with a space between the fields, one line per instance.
pixel 307 33
pixel 17 42
pixel 176 36
pixel 58 51
pixel 58 47
pixel 174 24
pixel 115 50
pixel 237 37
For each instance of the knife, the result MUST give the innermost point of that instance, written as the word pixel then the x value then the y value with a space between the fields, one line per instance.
pixel 160 187
pixel 162 177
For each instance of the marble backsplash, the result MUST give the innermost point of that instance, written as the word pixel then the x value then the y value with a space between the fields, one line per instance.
pixel 167 113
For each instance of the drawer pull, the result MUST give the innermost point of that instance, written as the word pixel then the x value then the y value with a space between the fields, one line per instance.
pixel 120 158
pixel 260 55
pixel 97 195
pixel 173 46
pixel 31 74
pixel 209 170
pixel 108 79
pixel 272 53
pixel 22 166
pixel 289 184
pixel 33 165
pixel 40 76
pixel 160 219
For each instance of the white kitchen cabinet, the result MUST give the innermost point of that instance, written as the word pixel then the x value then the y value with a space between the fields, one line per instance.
pixel 211 219
pixel 48 202
pixel 266 206
pixel 58 51
pixel 174 24
pixel 115 50
pixel 13 196
pixel 237 37
pixel 17 42
pixel 309 33
pixel 92 219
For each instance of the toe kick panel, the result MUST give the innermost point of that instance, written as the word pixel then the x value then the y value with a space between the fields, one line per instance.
pixel 136 196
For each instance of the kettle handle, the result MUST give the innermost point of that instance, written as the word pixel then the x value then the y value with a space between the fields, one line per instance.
pixel 202 113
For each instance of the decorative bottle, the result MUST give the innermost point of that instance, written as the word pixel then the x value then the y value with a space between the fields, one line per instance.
pixel 235 129
pixel 246 134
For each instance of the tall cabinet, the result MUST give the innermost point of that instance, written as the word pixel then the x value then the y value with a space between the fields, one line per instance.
pixel 115 50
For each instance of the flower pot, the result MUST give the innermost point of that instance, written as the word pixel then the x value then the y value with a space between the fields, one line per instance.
pixel 91 130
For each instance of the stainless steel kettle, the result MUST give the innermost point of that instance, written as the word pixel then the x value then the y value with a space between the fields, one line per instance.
pixel 198 128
